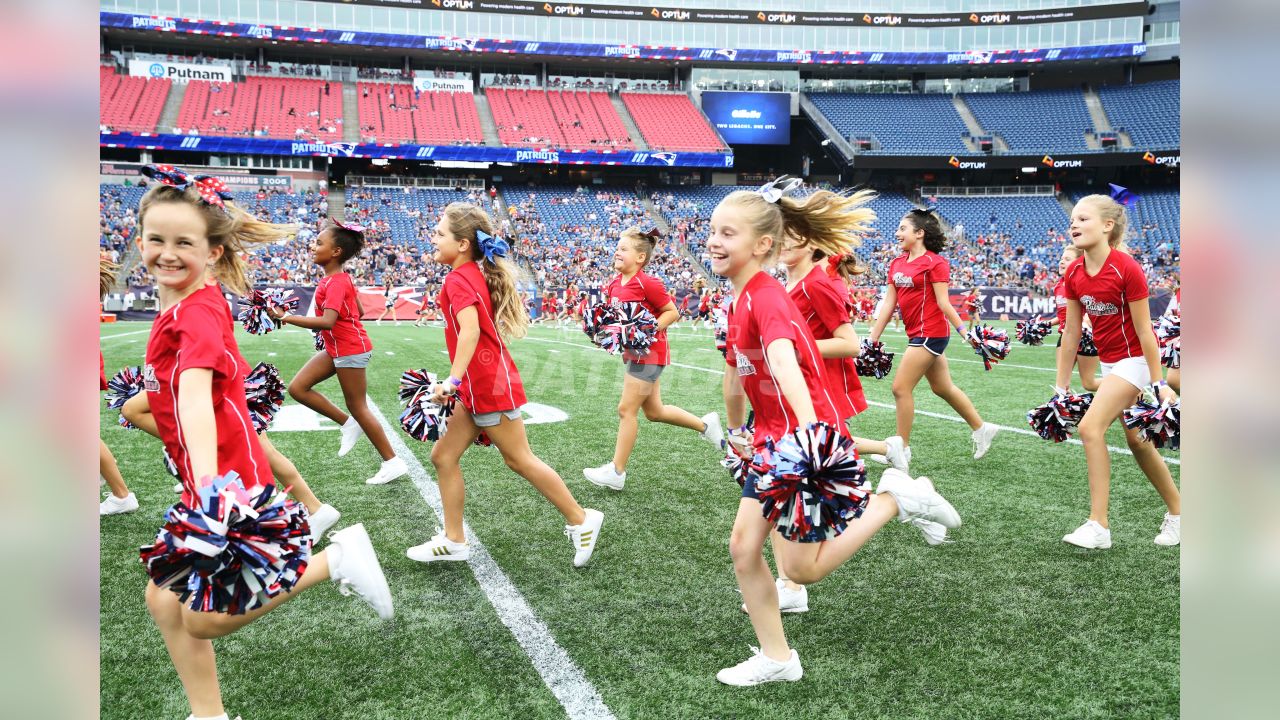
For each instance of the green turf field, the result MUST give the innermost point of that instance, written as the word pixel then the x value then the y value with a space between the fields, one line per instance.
pixel 1006 621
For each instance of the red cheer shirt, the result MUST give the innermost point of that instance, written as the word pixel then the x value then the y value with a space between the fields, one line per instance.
pixel 195 334
pixel 1105 298
pixel 491 382
pixel 347 336
pixel 823 302
pixel 1060 301
pixel 916 302
pixel 652 294
pixel 760 315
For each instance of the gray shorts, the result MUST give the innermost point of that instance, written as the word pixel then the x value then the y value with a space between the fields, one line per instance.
pixel 353 361
pixel 647 373
pixel 491 419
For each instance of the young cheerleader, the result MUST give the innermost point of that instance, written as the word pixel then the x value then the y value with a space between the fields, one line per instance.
pixel 917 287
pixel 1086 362
pixel 390 308
pixel 347 350
pixel 972 303
pixel 195 387
pixel 481 305
pixel 119 500
pixel 1108 285
pixel 640 385
pixel 774 360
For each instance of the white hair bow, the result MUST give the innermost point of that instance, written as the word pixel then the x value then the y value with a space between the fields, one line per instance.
pixel 773 190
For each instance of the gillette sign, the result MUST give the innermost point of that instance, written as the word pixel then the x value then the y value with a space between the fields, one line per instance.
pixel 178 72
pixel 749 118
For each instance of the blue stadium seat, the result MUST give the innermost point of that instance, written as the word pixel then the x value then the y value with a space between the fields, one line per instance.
pixel 1043 121
pixel 904 124
pixel 1149 112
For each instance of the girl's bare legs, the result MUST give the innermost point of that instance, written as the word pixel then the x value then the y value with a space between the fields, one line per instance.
pixel 746 547
pixel 915 362
pixel 354 393
pixel 807 563
pixel 939 375
pixel 318 369
pixel 446 456
pixel 110 471
pixel 510 439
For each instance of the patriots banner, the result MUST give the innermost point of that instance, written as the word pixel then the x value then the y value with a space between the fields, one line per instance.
pixel 639 52
pixel 272 146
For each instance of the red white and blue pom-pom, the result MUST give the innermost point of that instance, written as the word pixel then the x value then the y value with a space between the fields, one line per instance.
pixel 813 484
pixel 1168 331
pixel 1156 422
pixel 233 551
pixel 1033 331
pixel 739 465
pixel 1058 419
pixel 254 316
pixel 873 361
pixel 122 386
pixel 264 392
pixel 319 342
pixel 1086 346
pixel 422 419
pixel 990 344
pixel 619 327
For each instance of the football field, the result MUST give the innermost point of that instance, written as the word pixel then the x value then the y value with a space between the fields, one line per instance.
pixel 1005 621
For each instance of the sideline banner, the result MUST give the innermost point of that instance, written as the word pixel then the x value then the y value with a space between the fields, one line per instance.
pixel 1020 304
pixel 178 72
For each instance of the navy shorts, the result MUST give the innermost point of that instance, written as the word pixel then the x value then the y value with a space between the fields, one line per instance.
pixel 935 345
pixel 749 487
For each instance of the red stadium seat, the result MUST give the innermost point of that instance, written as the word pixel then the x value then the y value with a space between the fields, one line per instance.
pixel 671 122
pixel 128 103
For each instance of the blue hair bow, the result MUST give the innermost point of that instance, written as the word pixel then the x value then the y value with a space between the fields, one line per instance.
pixel 773 190
pixel 492 247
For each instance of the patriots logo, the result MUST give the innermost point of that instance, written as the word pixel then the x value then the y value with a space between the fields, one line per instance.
pixel 345 148
pixel 666 157
pixel 728 53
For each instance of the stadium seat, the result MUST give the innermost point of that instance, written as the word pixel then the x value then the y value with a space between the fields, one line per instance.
pixel 904 124
pixel 263 104
pixel 671 122
pixel 429 118
pixel 1149 112
pixel 128 103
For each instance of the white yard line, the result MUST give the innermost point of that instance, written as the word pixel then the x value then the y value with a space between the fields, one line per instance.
pixel 124 334
pixel 580 699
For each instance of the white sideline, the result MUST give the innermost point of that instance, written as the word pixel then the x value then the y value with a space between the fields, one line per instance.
pixel 926 413
pixel 578 697
pixel 124 334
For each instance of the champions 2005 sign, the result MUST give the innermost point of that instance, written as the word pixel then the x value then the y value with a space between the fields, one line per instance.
pixel 264 146
pixel 485 46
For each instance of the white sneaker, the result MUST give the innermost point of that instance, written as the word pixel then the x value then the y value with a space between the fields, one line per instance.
pixel 982 439
pixel 439 548
pixel 917 499
pixel 584 536
pixel 390 470
pixel 358 570
pixel 177 488
pixel 606 476
pixel 759 668
pixel 878 458
pixel 1170 531
pixel 321 520
pixel 714 433
pixel 789 601
pixel 113 505
pixel 934 533
pixel 1090 535
pixel 351 432
pixel 898 454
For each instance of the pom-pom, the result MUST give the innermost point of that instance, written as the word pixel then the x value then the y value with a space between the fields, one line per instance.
pixel 1156 422
pixel 122 386
pixel 873 361
pixel 621 327
pixel 264 392
pixel 1057 419
pixel 234 550
pixel 255 316
pixel 812 484
pixel 991 344
pixel 1033 331
pixel 1169 334
pixel 319 342
pixel 1086 346
pixel 423 419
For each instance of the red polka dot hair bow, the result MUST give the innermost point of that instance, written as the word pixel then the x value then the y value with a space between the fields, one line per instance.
pixel 212 190
pixel 833 263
